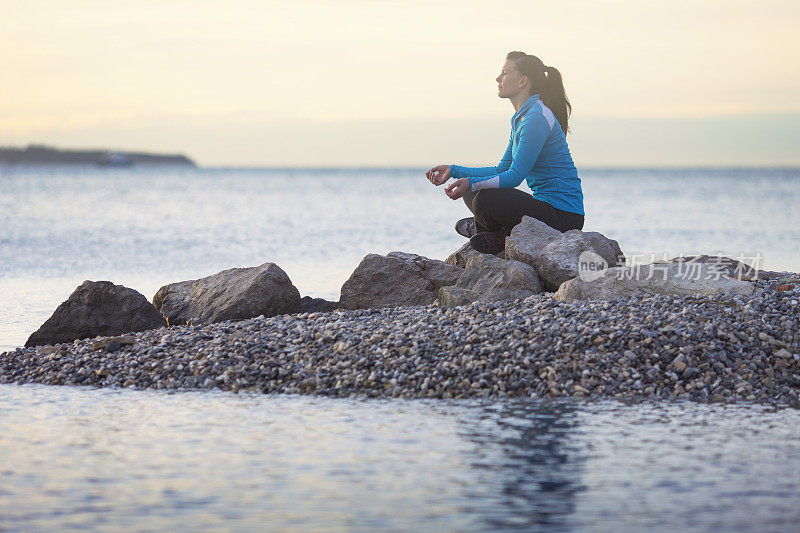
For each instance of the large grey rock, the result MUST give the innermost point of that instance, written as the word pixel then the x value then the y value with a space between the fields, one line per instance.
pixel 559 260
pixel 460 256
pixel 487 278
pixel 98 308
pixel 675 277
pixel 233 294
pixel 555 255
pixel 528 238
pixel 726 265
pixel 396 279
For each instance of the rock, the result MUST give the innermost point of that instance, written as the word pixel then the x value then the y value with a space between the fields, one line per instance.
pixel 317 305
pixel 454 296
pixel 113 346
pixel 784 287
pixel 233 294
pixel 561 259
pixel 528 238
pixel 97 308
pixel 663 277
pixel 460 256
pixel 396 279
pixel 102 344
pixel 439 272
pixel 557 257
pixel 487 278
pixel 723 265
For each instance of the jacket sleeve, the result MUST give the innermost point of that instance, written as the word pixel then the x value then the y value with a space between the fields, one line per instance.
pixel 533 132
pixel 457 171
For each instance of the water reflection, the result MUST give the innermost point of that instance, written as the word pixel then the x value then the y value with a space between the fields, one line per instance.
pixel 536 467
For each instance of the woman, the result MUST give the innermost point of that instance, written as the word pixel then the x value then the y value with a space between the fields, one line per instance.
pixel 537 152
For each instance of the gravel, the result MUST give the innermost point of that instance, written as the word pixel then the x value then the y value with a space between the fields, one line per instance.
pixel 724 348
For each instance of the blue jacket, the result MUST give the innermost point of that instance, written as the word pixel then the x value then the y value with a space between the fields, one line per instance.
pixel 538 152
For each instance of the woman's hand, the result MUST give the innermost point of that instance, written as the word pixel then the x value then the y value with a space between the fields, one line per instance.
pixel 438 174
pixel 457 189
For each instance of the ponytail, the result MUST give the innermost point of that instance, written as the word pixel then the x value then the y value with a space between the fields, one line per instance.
pixel 547 83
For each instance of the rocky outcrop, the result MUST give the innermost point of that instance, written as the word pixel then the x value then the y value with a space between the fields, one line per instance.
pixel 233 294
pixel 317 305
pixel 560 260
pixel 556 256
pixel 396 279
pixel 528 238
pixel 706 275
pixel 97 308
pixel 460 256
pixel 487 278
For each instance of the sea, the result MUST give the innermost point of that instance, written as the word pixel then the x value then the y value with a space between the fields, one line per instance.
pixel 110 459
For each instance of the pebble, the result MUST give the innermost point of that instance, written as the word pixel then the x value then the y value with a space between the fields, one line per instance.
pixel 720 349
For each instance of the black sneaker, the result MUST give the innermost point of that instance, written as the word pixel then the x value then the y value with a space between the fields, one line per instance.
pixel 488 242
pixel 466 227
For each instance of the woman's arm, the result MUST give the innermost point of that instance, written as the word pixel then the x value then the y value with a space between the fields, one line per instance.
pixel 533 132
pixel 457 171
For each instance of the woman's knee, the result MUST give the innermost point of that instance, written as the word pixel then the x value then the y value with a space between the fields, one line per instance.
pixel 469 199
pixel 485 199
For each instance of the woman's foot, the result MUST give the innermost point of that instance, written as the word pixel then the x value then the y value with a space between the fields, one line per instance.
pixel 488 242
pixel 466 227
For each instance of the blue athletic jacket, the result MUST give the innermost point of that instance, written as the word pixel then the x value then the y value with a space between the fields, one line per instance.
pixel 538 152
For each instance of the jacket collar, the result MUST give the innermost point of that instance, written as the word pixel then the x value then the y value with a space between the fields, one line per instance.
pixel 524 109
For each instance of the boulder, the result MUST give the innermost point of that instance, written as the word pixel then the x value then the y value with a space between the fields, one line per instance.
pixel 559 260
pixel 396 279
pixel 233 294
pixel 317 305
pixel 528 238
pixel 460 256
pixel 98 308
pixel 557 256
pixel 487 278
pixel 729 267
pixel 678 276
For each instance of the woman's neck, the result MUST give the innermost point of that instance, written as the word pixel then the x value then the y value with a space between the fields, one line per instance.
pixel 518 99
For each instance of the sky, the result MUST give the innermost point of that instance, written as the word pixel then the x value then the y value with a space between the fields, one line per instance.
pixel 388 83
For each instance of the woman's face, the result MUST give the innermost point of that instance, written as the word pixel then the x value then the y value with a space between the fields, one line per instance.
pixel 510 82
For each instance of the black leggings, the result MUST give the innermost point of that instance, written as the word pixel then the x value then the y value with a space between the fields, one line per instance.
pixel 502 209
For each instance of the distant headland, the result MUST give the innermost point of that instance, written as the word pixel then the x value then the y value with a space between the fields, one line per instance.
pixel 46 155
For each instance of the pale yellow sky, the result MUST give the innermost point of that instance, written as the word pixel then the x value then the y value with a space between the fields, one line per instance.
pixel 352 82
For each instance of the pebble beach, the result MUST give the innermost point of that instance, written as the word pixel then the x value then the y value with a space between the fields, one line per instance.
pixel 717 349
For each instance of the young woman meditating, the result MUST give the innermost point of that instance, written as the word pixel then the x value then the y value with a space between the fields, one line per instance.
pixel 537 152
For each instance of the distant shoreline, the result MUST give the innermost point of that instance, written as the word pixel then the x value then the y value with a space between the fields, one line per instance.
pixel 46 155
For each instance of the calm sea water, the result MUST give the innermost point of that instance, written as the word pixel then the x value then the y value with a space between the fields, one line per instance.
pixel 75 458
pixel 118 460
pixel 144 228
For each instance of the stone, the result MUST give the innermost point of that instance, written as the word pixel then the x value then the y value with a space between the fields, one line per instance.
pixel 557 256
pixel 123 340
pixel 662 277
pixel 726 266
pixel 396 279
pixel 317 305
pixel 460 256
pixel 98 308
pixel 528 238
pixel 487 278
pixel 559 260
pixel 233 294
pixel 113 346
